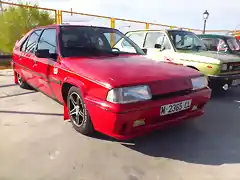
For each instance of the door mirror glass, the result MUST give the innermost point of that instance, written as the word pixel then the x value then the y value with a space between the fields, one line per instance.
pixel 42 53
pixel 145 50
pixel 157 46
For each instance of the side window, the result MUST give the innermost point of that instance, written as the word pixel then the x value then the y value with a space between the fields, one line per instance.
pixel 154 38
pixel 137 38
pixel 157 38
pixel 30 45
pixel 166 44
pixel 48 41
pixel 211 43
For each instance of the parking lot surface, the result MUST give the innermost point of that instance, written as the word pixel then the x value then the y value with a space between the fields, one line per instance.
pixel 36 144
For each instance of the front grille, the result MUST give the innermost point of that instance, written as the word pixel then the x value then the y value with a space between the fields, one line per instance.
pixel 235 66
pixel 171 94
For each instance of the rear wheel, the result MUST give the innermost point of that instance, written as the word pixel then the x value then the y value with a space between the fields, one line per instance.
pixel 78 112
pixel 22 83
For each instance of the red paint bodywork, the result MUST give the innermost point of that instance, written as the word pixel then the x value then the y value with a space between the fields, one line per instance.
pixel 97 75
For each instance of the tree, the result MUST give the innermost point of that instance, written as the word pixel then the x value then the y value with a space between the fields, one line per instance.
pixel 15 21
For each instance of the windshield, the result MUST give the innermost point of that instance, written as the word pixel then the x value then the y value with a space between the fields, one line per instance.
pixel 184 40
pixel 233 44
pixel 92 41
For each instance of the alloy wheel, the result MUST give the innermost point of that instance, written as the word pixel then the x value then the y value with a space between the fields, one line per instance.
pixel 76 109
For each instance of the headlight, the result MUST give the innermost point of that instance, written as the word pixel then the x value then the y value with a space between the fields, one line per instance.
pixel 199 82
pixel 224 67
pixel 129 94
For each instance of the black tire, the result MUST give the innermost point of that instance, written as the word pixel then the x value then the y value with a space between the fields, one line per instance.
pixel 79 117
pixel 22 83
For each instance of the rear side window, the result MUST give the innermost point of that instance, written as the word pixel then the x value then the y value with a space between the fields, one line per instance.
pixel 154 38
pixel 31 42
pixel 48 41
pixel 138 38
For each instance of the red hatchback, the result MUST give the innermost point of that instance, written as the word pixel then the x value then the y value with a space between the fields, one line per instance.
pixel 121 94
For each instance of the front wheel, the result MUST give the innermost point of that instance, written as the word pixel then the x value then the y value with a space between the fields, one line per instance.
pixel 78 112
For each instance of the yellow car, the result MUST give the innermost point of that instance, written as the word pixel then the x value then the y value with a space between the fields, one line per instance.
pixel 185 48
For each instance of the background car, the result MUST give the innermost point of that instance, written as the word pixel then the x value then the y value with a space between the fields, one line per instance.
pixel 185 48
pixel 116 92
pixel 221 43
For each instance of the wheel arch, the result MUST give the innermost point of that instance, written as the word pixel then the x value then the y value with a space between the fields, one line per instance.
pixel 193 67
pixel 68 83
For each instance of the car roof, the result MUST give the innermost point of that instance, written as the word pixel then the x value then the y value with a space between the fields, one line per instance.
pixel 68 25
pixel 157 30
pixel 215 36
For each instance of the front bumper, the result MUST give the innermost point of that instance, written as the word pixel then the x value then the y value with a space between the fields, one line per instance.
pixel 224 77
pixel 117 122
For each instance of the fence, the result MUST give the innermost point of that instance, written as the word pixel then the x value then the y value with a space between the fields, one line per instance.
pixel 118 23
pixel 5 5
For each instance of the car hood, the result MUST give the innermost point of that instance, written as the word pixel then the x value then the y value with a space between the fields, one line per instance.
pixel 209 56
pixel 133 70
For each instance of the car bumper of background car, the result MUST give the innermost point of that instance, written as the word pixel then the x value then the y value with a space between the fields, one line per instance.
pixel 230 79
pixel 127 125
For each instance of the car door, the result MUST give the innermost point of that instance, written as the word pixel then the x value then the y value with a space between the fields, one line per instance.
pixel 27 58
pixel 161 54
pixel 46 68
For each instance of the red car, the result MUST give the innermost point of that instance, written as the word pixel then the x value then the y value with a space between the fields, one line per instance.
pixel 121 94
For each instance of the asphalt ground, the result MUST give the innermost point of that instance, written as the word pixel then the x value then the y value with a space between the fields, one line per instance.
pixel 36 144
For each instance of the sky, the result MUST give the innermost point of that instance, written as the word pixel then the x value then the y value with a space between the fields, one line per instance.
pixel 183 13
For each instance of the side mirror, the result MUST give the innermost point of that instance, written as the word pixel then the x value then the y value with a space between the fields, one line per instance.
pixel 145 50
pixel 42 53
pixel 158 46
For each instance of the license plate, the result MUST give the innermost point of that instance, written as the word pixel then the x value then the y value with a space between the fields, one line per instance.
pixel 236 82
pixel 175 107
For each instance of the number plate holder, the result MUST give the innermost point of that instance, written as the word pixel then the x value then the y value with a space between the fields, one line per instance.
pixel 175 107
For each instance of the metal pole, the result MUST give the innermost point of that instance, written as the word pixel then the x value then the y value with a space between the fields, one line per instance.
pixel 204 27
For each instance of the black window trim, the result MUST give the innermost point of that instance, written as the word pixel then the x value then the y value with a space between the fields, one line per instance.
pixel 27 39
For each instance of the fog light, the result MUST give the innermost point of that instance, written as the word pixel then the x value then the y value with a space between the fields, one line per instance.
pixel 194 108
pixel 225 87
pixel 139 122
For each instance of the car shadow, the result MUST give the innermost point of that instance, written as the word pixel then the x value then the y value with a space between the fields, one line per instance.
pixel 212 139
